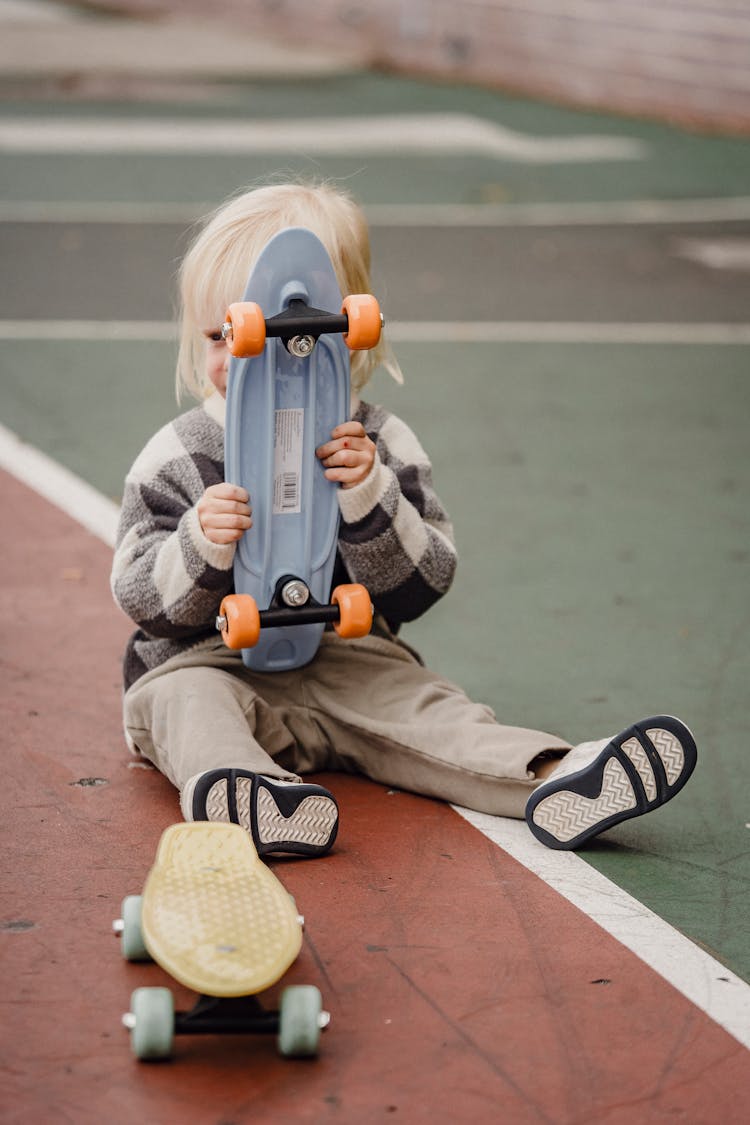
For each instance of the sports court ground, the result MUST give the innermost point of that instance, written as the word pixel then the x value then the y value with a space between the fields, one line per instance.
pixel 568 296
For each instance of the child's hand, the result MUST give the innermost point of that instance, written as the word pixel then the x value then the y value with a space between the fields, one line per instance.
pixel 349 457
pixel 224 513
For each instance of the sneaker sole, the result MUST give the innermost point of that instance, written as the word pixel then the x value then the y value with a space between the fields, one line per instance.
pixel 301 819
pixel 639 770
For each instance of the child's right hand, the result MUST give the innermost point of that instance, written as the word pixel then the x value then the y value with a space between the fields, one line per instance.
pixel 224 513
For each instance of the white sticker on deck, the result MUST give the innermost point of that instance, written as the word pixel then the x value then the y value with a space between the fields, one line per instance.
pixel 289 435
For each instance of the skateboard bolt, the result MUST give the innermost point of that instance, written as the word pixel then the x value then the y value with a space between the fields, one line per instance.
pixel 227 332
pixel 295 593
pixel 301 346
pixel 221 623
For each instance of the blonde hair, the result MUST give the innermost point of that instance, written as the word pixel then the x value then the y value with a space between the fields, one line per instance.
pixel 215 269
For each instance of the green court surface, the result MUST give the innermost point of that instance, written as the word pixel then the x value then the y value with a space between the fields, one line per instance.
pixel 599 501
pixel 679 165
pixel 599 491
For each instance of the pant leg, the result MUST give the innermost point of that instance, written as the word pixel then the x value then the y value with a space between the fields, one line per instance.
pixel 187 719
pixel 390 718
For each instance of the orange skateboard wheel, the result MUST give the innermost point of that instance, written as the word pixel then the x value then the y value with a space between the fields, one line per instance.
pixel 248 335
pixel 365 325
pixel 242 621
pixel 355 610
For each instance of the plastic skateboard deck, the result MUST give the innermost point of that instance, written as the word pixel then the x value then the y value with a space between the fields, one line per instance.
pixel 214 916
pixel 280 408
pixel 219 922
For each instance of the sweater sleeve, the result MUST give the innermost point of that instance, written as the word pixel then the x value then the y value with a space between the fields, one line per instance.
pixel 395 535
pixel 166 575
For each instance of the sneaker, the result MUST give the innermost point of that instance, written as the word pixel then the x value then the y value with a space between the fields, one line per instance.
pixel 281 816
pixel 596 787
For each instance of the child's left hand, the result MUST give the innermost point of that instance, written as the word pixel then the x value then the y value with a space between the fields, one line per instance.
pixel 349 457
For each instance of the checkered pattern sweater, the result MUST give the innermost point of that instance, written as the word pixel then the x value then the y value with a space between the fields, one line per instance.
pixel 394 535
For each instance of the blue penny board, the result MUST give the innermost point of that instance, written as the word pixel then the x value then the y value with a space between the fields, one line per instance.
pixel 279 410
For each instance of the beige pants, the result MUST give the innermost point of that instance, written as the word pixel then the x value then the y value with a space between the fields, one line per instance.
pixel 364 706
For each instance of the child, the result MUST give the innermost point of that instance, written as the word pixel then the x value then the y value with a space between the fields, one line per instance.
pixel 236 742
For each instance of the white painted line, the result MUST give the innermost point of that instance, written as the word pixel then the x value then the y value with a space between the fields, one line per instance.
pixel 411 134
pixel 706 983
pixel 98 211
pixel 712 988
pixel 564 332
pixel 627 212
pixel 32 11
pixel 415 332
pixel 93 330
pixel 60 486
pixel 717 253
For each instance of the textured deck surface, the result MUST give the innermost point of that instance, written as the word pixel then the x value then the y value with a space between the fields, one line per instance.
pixel 214 916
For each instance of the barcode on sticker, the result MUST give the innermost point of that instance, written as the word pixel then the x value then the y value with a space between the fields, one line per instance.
pixel 290 492
pixel 289 433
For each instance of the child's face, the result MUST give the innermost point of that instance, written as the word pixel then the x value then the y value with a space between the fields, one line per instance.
pixel 217 359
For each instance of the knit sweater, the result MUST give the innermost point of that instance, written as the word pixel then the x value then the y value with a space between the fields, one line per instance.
pixel 394 534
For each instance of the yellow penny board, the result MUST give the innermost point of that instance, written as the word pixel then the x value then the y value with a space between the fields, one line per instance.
pixel 214 916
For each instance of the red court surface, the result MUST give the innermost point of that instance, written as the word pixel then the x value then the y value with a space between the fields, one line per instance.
pixel 461 987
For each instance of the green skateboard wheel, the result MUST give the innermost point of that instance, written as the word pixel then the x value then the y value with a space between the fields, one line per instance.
pixel 152 1033
pixel 299 1024
pixel 131 940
